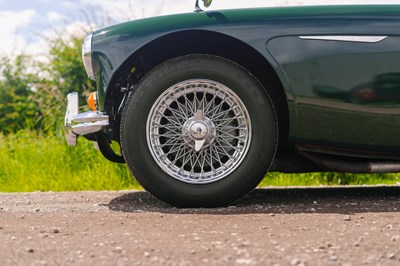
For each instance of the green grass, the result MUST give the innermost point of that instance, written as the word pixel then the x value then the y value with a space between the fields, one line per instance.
pixel 34 162
pixel 318 179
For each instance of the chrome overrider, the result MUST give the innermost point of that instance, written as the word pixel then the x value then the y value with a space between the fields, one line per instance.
pixel 76 124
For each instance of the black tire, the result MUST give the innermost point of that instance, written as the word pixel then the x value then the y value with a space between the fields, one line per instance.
pixel 257 148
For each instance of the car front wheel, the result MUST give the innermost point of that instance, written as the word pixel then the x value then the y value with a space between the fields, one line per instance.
pixel 199 131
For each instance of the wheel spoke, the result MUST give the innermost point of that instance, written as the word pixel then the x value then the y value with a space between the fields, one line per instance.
pixel 178 115
pixel 226 136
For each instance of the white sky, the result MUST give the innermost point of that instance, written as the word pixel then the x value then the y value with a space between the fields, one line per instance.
pixel 23 21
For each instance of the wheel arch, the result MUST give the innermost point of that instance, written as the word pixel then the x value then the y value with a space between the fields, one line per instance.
pixel 197 42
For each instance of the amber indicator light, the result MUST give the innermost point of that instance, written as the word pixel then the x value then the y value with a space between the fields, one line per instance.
pixel 92 101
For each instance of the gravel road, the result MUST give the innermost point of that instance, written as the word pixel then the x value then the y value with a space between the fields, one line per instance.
pixel 270 226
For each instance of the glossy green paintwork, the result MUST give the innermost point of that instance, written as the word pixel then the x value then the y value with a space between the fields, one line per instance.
pixel 329 85
pixel 346 94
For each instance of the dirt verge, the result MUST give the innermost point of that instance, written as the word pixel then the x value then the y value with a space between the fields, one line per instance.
pixel 291 226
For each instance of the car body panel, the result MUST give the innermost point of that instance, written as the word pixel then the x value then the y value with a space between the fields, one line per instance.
pixel 323 80
pixel 346 93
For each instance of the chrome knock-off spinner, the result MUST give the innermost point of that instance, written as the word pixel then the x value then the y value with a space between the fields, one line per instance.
pixel 199 131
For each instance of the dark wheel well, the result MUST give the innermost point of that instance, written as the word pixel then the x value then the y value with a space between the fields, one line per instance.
pixel 197 42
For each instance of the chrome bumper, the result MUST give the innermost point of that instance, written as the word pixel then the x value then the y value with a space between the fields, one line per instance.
pixel 76 124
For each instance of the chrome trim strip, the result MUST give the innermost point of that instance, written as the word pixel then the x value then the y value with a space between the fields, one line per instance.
pixel 345 38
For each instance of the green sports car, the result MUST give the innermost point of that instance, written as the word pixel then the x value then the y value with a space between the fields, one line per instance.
pixel 203 104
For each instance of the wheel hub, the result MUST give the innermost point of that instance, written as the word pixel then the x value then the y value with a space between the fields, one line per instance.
pixel 194 130
pixel 198 130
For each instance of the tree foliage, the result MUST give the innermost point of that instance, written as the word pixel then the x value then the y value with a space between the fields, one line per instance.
pixel 17 104
pixel 66 68
pixel 33 94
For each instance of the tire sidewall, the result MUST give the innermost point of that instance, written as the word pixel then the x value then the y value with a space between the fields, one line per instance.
pixel 254 165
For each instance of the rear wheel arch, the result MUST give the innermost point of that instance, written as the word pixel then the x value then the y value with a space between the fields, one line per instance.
pixel 198 42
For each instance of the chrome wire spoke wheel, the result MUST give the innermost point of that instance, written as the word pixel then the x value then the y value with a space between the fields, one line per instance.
pixel 198 131
pixel 191 142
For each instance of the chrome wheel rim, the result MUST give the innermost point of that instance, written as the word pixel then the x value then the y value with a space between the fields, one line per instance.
pixel 198 131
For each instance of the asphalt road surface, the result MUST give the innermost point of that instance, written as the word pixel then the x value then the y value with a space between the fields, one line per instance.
pixel 270 226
